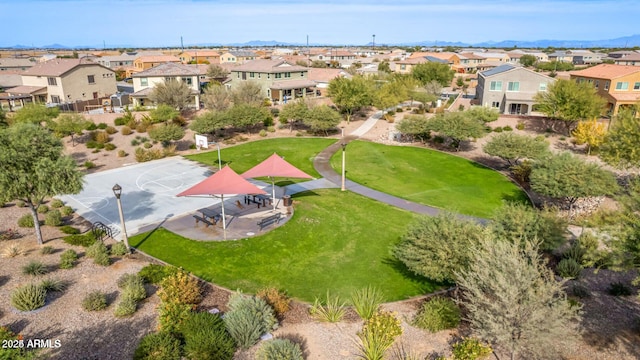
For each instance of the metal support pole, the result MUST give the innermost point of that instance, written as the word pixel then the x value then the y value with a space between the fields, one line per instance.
pixel 219 159
pixel 117 190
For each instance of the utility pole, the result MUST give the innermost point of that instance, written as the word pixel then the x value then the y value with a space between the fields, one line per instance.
pixel 374 42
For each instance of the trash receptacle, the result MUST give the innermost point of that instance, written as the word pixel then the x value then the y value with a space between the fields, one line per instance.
pixel 286 200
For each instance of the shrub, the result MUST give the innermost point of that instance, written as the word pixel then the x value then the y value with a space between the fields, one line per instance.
pixel 92 127
pixel 367 301
pixel 26 221
pixel 109 147
pixel 101 137
pixel 54 285
pixel 20 204
pixel 126 280
pixel 69 230
pixel 277 299
pixel 89 164
pixel 85 240
pixel 147 145
pixel 180 288
pixel 619 289
pixel 46 250
pixel 154 273
pixel 206 337
pixel 28 297
pixel 378 334
pixel 43 209
pixel 102 126
pixel 248 318
pixel 91 144
pixel 110 130
pixel 271 129
pixel 438 314
pixel 520 126
pixel 9 234
pixel 56 203
pixel 102 259
pixel 522 171
pixel 126 307
pixel 279 349
pixel 470 349
pixel 263 133
pixel 34 268
pixel 580 291
pixel 507 128
pixel 66 210
pixel 13 251
pixel 158 346
pixel 126 130
pixel 53 218
pixel 68 259
pixel 96 248
pixel 119 249
pixel 498 129
pixel 143 155
pixel 119 121
pixel 569 268
pixel 332 310
pixel 135 291
pixel 135 142
pixel 171 315
pixel 142 127
pixel 122 153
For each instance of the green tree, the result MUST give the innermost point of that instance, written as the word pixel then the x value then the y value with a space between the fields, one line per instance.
pixel 570 102
pixel 217 72
pixel 415 126
pixel 318 64
pixel 520 222
pixel 70 125
pixel 3 119
pixel 166 133
pixel 36 114
pixel 513 147
pixel 457 126
pixel 322 118
pixel 620 147
pixel 384 66
pixel 513 300
pixel 431 71
pixel 217 97
pixel 244 116
pixel 438 246
pixel 294 112
pixel 33 167
pixel 528 60
pixel 163 113
pixel 459 81
pixel 176 94
pixel 248 92
pixel 209 122
pixel 591 133
pixel 390 94
pixel 570 178
pixel 434 88
pixel 350 95
pixel 483 114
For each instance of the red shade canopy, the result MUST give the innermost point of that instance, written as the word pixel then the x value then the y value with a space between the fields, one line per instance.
pixel 223 182
pixel 275 166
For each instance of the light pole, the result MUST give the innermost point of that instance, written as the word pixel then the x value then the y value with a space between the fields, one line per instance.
pixel 344 148
pixel 219 160
pixel 374 42
pixel 117 191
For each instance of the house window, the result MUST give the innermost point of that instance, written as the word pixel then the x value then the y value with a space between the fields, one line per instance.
pixel 513 86
pixel 259 75
pixel 144 82
pixel 636 86
pixel 403 67
pixel 622 85
pixel 55 98
pixel 268 76
pixel 543 87
pixel 278 76
pixel 252 74
pixel 287 75
pixel 301 74
pixel 606 85
pixel 495 86
pixel 91 79
pixel 187 80
pixel 95 95
pixel 169 78
pixel 596 84
pixel 495 104
pixel 52 81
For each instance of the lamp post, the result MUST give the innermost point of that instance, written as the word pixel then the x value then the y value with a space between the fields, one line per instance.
pixel 117 191
pixel 219 159
pixel 344 148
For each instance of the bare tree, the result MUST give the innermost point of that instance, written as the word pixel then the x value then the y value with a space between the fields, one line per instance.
pixel 217 97
pixel 249 92
pixel 217 72
pixel 176 94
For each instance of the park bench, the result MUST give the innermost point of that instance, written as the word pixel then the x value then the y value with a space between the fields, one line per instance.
pixel 205 221
pixel 269 219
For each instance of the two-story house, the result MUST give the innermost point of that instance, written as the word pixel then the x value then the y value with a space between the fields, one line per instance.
pixel 122 61
pixel 632 59
pixel 68 80
pixel 279 80
pixel 238 56
pixel 145 81
pixel 618 84
pixel 142 63
pixel 200 56
pixel 15 64
pixel 510 88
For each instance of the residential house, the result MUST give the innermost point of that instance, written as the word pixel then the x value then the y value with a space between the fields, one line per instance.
pixel 619 85
pixel 142 63
pixel 145 81
pixel 469 63
pixel 15 64
pixel 586 57
pixel 68 80
pixel 200 56
pixel 121 61
pixel 406 66
pixel 632 59
pixel 510 88
pixel 47 57
pixel 280 81
pixel 493 57
pixel 620 54
pixel 561 56
pixel 322 77
pixel 237 56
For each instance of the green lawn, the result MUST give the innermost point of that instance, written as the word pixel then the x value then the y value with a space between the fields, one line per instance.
pixel 428 177
pixel 297 151
pixel 336 240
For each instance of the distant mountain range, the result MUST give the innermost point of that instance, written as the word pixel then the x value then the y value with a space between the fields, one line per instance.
pixel 621 42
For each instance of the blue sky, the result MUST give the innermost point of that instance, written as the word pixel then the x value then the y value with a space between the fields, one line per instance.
pixel 162 22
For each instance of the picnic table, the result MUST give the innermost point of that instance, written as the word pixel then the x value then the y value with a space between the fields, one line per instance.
pixel 257 199
pixel 210 215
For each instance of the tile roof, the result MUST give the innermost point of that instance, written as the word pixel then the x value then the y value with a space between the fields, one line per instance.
pixel 269 66
pixel 58 67
pixel 157 58
pixel 606 71
pixel 169 69
pixel 242 53
pixel 630 57
pixel 23 89
pixel 9 62
pixel 627 97
pixel 206 53
pixel 293 84
pixel 326 75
